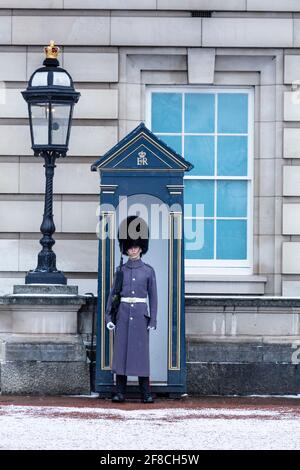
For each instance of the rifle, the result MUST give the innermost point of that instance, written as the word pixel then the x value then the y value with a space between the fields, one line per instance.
pixel 116 299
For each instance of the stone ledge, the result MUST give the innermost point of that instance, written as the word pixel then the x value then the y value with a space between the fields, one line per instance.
pixel 243 339
pixel 43 348
pixel 45 289
pixel 242 301
pixel 42 299
pixel 40 313
pixel 250 352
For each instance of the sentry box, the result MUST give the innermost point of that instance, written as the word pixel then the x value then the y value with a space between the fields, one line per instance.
pixel 142 176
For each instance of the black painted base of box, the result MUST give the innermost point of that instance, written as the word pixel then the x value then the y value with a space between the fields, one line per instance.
pixel 242 369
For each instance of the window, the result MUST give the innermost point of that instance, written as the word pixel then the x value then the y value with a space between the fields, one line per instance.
pixel 212 128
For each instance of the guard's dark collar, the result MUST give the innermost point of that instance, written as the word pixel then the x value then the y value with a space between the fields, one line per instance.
pixel 134 263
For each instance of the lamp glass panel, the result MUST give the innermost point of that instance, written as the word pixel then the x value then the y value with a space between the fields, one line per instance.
pixel 40 123
pixel 40 79
pixel 61 79
pixel 60 123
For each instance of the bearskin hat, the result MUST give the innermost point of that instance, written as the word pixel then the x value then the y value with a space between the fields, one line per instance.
pixel 133 231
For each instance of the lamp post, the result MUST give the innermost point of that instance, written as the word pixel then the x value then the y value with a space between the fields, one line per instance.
pixel 51 96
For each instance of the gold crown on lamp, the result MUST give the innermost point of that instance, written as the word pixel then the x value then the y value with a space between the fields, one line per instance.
pixel 51 51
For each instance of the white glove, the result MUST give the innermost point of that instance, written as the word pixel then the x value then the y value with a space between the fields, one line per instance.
pixel 150 327
pixel 110 325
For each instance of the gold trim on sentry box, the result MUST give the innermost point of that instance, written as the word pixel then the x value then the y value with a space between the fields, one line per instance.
pixel 172 218
pixel 175 228
pixel 108 217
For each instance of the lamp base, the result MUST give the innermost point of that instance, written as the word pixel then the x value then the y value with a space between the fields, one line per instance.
pixel 42 277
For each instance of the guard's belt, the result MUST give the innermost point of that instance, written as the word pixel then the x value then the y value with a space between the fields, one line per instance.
pixel 133 299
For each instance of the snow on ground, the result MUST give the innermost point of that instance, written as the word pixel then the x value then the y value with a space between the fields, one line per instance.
pixel 57 427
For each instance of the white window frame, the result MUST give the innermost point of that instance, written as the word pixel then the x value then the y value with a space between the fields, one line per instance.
pixel 215 266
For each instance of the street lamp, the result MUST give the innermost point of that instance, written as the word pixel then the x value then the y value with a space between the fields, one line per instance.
pixel 51 97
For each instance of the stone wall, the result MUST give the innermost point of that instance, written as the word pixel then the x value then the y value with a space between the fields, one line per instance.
pixel 239 345
pixel 114 53
pixel 235 345
pixel 243 345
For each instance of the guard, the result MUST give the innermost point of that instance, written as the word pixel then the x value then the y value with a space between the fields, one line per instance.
pixel 133 320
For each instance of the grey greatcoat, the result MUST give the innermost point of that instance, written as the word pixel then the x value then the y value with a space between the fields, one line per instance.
pixel 131 339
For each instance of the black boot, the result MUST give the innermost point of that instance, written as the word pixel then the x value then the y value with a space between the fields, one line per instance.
pixel 144 384
pixel 119 396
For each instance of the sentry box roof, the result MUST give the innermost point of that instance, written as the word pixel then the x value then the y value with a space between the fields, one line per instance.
pixel 141 150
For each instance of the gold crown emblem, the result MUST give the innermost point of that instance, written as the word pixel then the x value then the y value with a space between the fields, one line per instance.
pixel 51 51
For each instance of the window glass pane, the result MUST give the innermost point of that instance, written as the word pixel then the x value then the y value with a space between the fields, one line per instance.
pixel 201 193
pixel 231 239
pixel 40 119
pixel 60 122
pixel 233 113
pixel 166 112
pixel 199 113
pixel 219 154
pixel 232 198
pixel 199 239
pixel 232 156
pixel 173 141
pixel 199 150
